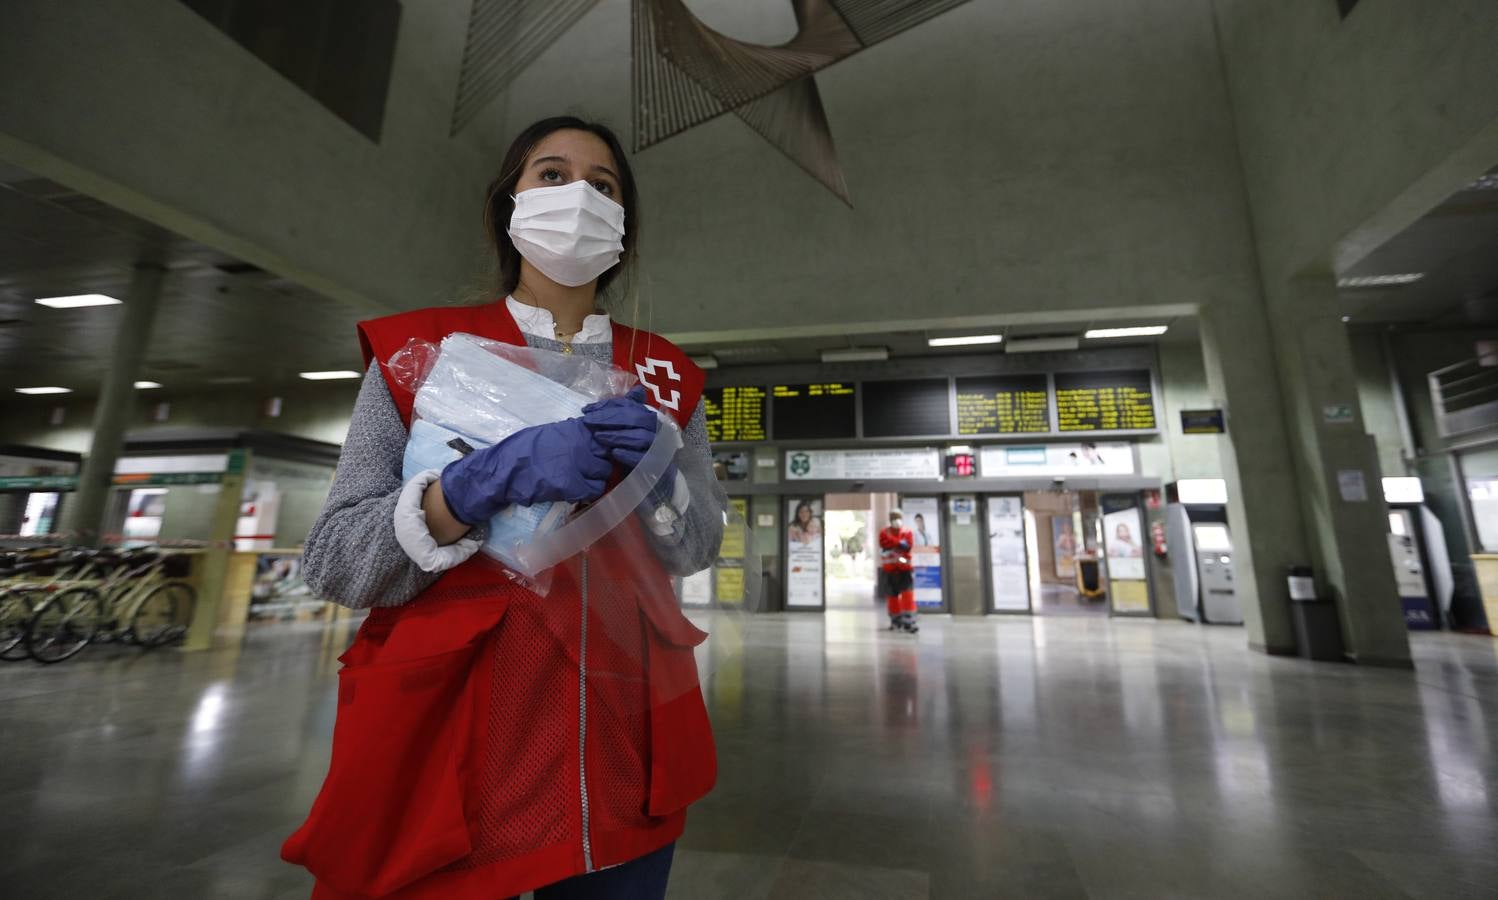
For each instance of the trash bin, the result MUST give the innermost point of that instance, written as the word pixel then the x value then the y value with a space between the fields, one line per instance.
pixel 1318 633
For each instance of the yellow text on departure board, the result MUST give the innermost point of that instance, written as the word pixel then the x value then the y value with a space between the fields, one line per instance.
pixel 738 416
pixel 1121 408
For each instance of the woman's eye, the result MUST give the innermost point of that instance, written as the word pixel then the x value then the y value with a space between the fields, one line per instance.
pixel 604 188
pixel 551 175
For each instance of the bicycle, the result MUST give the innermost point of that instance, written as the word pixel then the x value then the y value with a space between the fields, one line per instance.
pixel 140 601
pixel 27 578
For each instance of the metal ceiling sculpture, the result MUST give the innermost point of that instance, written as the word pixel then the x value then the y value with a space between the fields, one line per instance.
pixel 505 36
pixel 685 73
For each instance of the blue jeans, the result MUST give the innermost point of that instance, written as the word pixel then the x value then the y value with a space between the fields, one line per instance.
pixel 639 879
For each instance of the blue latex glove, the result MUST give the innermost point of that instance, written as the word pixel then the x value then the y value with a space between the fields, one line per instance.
pixel 558 461
pixel 627 427
pixel 623 424
pixel 904 545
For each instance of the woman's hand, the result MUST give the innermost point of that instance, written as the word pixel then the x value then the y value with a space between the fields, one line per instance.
pixel 624 426
pixel 559 461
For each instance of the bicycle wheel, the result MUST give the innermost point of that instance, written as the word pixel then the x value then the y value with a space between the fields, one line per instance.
pixel 64 624
pixel 16 608
pixel 162 616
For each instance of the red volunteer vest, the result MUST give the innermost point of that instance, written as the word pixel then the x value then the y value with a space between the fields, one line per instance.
pixel 472 757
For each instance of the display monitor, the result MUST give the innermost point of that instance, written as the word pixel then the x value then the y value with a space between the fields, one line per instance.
pixel 1003 404
pixel 916 407
pixel 814 411
pixel 1213 538
pixel 1105 401
pixel 735 413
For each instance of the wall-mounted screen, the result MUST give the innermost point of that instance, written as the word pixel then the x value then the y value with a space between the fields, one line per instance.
pixel 735 413
pixel 911 408
pixel 1105 401
pixel 1003 404
pixel 815 411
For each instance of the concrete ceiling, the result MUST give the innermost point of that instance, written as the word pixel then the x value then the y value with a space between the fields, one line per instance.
pixel 1455 246
pixel 219 318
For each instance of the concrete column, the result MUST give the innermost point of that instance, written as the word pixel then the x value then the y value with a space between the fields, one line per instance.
pixel 1347 537
pixel 84 514
pixel 1263 494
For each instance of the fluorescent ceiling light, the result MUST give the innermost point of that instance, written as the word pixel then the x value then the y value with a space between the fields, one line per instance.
pixel 1040 344
pixel 146 385
pixel 1134 331
pixel 706 361
pixel 1362 281
pixel 964 340
pixel 76 301
pixel 44 390
pixel 856 354
pixel 333 375
pixel 1488 182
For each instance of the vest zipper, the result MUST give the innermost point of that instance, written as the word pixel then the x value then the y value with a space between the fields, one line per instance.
pixel 582 722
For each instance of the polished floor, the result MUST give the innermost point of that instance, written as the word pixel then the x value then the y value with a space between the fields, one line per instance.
pixel 1001 757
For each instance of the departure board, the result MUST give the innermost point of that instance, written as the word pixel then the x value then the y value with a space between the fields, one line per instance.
pixel 811 411
pixel 735 413
pixel 911 408
pixel 1105 401
pixel 1003 404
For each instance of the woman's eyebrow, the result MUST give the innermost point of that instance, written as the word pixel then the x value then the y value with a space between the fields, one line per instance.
pixel 607 171
pixel 551 159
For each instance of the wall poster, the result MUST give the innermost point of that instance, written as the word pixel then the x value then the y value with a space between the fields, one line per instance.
pixel 803 582
pixel 1124 549
pixel 728 575
pixel 923 518
pixel 1007 559
pixel 1064 540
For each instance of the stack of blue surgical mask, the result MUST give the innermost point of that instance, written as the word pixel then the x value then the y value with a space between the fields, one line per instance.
pixel 479 392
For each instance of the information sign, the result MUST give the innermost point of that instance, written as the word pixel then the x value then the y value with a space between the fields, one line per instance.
pixel 1105 401
pixel 1013 404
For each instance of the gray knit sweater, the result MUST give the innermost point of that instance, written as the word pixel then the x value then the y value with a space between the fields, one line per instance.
pixel 352 557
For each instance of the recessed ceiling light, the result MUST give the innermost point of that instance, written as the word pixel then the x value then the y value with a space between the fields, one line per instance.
pixel 964 340
pixel 856 354
pixel 333 375
pixel 146 385
pixel 1347 318
pixel 1488 182
pixel 1135 331
pixel 1362 281
pixel 44 390
pixel 706 361
pixel 77 300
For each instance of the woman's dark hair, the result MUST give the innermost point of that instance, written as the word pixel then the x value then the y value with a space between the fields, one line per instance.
pixel 800 506
pixel 501 198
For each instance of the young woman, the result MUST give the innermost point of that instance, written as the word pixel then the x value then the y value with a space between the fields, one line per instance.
pixel 490 741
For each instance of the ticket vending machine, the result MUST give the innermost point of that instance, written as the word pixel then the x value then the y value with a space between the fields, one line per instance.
pixel 1201 551
pixel 1417 547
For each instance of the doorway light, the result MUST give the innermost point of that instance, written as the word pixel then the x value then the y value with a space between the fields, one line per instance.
pixel 964 340
pixel 856 354
pixel 44 390
pixel 77 300
pixel 1364 281
pixel 1132 331
pixel 332 375
pixel 147 385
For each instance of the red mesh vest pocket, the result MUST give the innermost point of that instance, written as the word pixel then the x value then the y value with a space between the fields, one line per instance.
pixel 683 759
pixel 391 809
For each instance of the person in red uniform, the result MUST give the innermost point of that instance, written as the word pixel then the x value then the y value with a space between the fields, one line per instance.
pixel 490 741
pixel 897 578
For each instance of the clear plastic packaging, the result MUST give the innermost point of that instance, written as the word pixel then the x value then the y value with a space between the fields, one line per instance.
pixel 471 392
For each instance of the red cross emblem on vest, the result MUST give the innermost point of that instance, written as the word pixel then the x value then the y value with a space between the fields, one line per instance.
pixel 646 372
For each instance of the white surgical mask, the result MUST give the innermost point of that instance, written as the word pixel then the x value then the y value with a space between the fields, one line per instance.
pixel 571 232
pixel 896 523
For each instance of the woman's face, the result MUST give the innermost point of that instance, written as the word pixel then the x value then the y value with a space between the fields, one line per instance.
pixel 803 514
pixel 565 156
pixel 1122 533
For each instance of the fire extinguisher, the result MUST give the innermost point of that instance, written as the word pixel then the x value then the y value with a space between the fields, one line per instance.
pixel 1157 538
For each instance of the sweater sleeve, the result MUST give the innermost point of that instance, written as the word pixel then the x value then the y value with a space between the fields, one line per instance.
pixel 352 556
pixel 693 541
